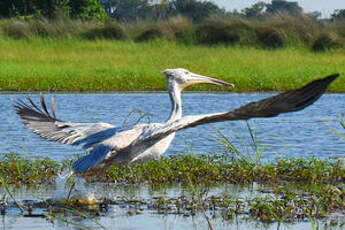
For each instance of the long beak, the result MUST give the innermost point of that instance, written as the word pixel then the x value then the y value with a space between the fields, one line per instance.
pixel 196 78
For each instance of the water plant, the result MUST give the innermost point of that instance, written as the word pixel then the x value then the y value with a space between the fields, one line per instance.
pixel 284 191
pixel 273 31
pixel 342 123
pixel 287 190
pixel 15 169
pixel 199 169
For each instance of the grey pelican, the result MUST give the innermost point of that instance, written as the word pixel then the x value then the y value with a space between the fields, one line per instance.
pixel 108 144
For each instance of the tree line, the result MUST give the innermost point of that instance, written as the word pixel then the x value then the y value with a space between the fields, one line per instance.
pixel 83 9
pixel 135 10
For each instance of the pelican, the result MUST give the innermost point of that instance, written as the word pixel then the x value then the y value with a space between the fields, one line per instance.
pixel 107 144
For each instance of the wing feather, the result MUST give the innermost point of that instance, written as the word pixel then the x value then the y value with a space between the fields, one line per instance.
pixel 273 106
pixel 49 127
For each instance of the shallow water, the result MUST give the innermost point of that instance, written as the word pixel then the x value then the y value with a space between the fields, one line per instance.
pixel 121 221
pixel 300 134
pixel 117 216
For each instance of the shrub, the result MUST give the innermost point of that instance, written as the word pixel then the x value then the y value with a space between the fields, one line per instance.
pixel 178 28
pixel 216 32
pixel 16 29
pixel 293 29
pixel 245 29
pixel 42 28
pixel 149 34
pixel 270 38
pixel 326 41
pixel 110 31
pixel 338 28
pixel 175 28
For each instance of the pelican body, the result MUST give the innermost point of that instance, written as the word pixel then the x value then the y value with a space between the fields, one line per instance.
pixel 103 140
pixel 107 143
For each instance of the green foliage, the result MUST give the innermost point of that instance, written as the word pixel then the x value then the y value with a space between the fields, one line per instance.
pixel 128 10
pixel 47 8
pixel 269 30
pixel 111 31
pixel 136 10
pixel 326 41
pixel 17 170
pixel 185 169
pixel 277 6
pixel 270 38
pixel 235 31
pixel 83 9
pixel 55 28
pixel 87 10
pixel 149 34
pixel 260 10
pixel 255 11
pixel 338 14
pixel 212 33
pixel 288 205
pixel 196 10
pixel 17 29
pixel 175 29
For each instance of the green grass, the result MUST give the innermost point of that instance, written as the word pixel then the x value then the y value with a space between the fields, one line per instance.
pixel 185 169
pixel 100 65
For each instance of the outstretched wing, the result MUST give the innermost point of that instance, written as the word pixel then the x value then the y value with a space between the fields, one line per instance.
pixel 282 103
pixel 46 125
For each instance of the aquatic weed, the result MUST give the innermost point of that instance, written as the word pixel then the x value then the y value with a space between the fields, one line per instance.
pixel 182 169
pixel 17 170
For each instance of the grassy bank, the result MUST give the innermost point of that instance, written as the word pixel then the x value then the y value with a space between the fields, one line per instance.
pixel 81 65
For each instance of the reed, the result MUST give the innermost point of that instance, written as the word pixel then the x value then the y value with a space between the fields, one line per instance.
pixel 272 31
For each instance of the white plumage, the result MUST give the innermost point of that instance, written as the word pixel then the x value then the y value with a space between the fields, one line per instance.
pixel 108 144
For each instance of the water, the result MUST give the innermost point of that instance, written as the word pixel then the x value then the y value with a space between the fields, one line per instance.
pixel 121 221
pixel 300 134
pixel 117 216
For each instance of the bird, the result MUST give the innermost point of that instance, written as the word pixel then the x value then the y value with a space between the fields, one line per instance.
pixel 108 144
pixel 94 136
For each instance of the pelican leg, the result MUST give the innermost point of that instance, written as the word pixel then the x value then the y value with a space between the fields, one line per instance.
pixel 70 191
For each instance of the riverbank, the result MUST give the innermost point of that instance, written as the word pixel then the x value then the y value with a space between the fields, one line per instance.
pixel 100 65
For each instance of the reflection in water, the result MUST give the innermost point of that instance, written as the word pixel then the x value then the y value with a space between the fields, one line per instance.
pixel 122 221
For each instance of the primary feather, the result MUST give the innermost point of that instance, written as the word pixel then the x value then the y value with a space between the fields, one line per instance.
pixel 51 128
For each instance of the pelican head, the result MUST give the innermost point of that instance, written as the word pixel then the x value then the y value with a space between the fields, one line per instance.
pixel 185 78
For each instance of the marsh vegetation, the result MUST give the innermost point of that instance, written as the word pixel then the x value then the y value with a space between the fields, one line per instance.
pixel 287 190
